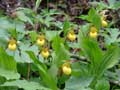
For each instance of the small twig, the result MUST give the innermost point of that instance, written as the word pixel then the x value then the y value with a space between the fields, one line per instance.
pixel 77 59
pixel 115 82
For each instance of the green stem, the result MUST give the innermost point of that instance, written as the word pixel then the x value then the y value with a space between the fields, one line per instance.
pixel 37 4
pixel 28 72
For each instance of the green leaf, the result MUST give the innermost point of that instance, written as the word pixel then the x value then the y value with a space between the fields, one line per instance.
pixel 21 15
pixel 13 33
pixel 5 24
pixel 84 30
pixel 8 74
pixel 92 51
pixel 91 14
pixel 102 85
pixel 3 34
pixel 37 4
pixel 41 66
pixel 7 66
pixel 111 57
pixel 8 88
pixel 94 18
pixel 75 83
pixel 61 53
pixel 84 17
pixel 111 3
pixel 33 36
pixel 51 34
pixel 20 27
pixel 26 85
pixel 97 21
pixel 3 42
pixel 116 5
pixel 2 80
pixel 113 36
pixel 45 76
pixel 101 6
pixel 66 27
pixel 48 21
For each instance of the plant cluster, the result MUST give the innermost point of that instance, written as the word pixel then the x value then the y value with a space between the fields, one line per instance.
pixel 56 55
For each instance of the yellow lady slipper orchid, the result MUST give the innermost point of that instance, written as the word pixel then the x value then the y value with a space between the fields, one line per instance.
pixel 40 40
pixel 66 69
pixel 93 32
pixel 45 53
pixel 12 45
pixel 103 17
pixel 104 23
pixel 71 35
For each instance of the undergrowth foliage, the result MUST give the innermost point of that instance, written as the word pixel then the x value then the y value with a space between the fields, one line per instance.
pixel 37 52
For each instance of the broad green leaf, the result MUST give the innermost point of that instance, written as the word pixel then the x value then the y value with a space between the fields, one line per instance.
pixel 94 18
pixel 111 57
pixel 20 27
pixel 26 85
pixel 33 36
pixel 80 69
pixel 7 66
pixel 84 30
pixel 5 24
pixel 2 80
pixel 66 27
pixel 48 21
pixel 8 88
pixel 116 5
pixel 23 58
pixel 113 36
pixel 81 83
pixel 40 65
pixel 45 76
pixel 111 3
pixel 8 74
pixel 102 85
pixel 21 15
pixel 101 5
pixel 13 33
pixel 3 42
pixel 92 51
pixel 56 43
pixel 51 34
pixel 91 14
pixel 58 24
pixel 97 21
pixel 3 34
pixel 61 53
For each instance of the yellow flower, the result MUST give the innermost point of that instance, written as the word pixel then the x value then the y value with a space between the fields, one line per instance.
pixel 45 53
pixel 40 40
pixel 104 23
pixel 71 35
pixel 93 32
pixel 103 17
pixel 66 69
pixel 12 45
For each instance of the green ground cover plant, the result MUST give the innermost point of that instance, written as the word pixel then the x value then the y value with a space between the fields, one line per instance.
pixel 40 52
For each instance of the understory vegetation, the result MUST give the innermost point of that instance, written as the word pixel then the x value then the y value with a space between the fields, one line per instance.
pixel 59 44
